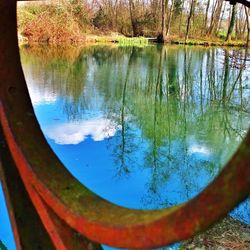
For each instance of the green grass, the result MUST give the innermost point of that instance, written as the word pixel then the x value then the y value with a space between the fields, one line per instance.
pixel 133 41
pixel 222 34
pixel 218 42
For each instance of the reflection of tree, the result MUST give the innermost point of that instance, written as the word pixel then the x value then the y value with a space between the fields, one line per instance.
pixel 212 121
pixel 64 71
pixel 154 158
pixel 226 75
pixel 239 76
pixel 123 148
pixel 164 100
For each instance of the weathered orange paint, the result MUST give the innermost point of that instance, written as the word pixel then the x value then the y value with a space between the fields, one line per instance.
pixel 56 193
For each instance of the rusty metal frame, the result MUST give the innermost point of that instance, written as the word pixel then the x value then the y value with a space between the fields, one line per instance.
pixel 62 206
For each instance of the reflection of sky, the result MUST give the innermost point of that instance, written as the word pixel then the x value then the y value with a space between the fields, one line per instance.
pixel 91 146
pixel 75 132
pixel 91 149
pixel 195 148
pixel 40 95
pixel 5 233
pixel 126 173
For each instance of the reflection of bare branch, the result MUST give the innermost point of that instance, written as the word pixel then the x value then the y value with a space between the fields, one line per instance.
pixel 238 60
pixel 239 75
pixel 166 122
pixel 124 141
pixel 235 83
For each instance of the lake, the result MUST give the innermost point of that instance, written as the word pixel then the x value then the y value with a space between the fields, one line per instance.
pixel 146 127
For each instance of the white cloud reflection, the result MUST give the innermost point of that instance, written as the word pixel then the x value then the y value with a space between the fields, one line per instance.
pixel 75 132
pixel 201 149
pixel 40 95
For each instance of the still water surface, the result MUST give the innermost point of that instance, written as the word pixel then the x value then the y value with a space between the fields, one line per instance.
pixel 145 127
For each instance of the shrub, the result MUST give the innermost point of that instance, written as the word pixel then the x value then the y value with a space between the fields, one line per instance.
pixel 53 23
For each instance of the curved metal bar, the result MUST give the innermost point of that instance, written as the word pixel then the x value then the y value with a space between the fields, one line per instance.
pixel 81 209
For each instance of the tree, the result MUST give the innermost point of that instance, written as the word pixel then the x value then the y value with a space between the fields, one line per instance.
pixel 215 18
pixel 132 18
pixel 162 37
pixel 221 18
pixel 191 13
pixel 137 17
pixel 232 23
pixel 170 18
pixel 248 27
pixel 206 15
pixel 181 15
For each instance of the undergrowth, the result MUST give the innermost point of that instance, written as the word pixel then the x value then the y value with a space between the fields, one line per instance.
pixel 50 23
pixel 134 41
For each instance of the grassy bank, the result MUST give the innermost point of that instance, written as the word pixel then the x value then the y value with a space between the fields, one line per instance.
pixel 217 42
pixel 127 41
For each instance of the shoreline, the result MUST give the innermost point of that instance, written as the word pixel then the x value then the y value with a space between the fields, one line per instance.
pixel 106 39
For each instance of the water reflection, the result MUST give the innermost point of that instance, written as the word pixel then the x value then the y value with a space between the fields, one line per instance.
pixel 143 127
pixel 75 132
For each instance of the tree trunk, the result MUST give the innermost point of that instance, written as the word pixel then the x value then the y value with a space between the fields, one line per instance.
pixel 237 26
pixel 232 23
pixel 181 15
pixel 163 20
pixel 163 36
pixel 244 27
pixel 241 22
pixel 206 15
pixel 134 24
pixel 215 18
pixel 192 7
pixel 170 18
pixel 214 5
pixel 221 18
pixel 248 26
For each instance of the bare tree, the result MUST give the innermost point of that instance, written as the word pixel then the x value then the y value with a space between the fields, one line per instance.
pixel 163 36
pixel 191 13
pixel 221 17
pixel 170 18
pixel 232 23
pixel 248 26
pixel 215 18
pixel 136 10
pixel 181 15
pixel 206 15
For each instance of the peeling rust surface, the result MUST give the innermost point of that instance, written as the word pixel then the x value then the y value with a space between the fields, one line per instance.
pixel 60 199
